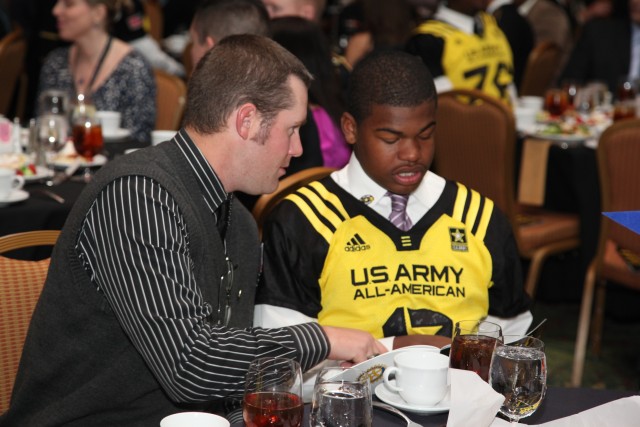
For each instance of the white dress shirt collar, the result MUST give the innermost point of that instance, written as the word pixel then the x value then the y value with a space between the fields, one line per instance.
pixel 355 181
pixel 457 19
pixel 526 7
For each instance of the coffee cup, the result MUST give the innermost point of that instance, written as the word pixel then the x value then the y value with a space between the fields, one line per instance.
pixel 194 419
pixel 158 136
pixel 9 182
pixel 110 121
pixel 420 377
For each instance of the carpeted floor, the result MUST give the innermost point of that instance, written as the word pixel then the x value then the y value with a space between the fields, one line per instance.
pixel 618 367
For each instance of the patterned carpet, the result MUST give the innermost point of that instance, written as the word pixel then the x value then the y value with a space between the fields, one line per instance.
pixel 618 366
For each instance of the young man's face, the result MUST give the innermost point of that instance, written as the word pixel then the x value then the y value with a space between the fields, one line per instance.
pixel 395 145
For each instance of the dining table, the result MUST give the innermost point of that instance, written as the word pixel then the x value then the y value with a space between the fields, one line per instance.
pixel 47 207
pixel 558 403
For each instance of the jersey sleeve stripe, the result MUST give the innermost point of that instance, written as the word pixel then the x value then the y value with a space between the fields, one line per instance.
pixel 483 224
pixel 473 210
pixel 461 199
pixel 312 216
pixel 334 202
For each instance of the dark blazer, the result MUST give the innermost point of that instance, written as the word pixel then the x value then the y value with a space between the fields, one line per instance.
pixel 602 52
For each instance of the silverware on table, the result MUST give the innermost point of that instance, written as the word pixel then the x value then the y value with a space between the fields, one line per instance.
pixel 62 176
pixel 395 411
pixel 50 194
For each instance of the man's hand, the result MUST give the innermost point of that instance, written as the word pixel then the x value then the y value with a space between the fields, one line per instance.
pixel 434 340
pixel 352 345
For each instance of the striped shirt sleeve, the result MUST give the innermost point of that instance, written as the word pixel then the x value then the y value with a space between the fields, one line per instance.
pixel 134 244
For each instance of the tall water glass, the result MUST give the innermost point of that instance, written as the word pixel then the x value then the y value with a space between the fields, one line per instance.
pixel 519 372
pixel 341 399
pixel 273 393
pixel 472 346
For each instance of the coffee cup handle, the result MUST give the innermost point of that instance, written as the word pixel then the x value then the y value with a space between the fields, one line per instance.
pixel 388 371
pixel 18 182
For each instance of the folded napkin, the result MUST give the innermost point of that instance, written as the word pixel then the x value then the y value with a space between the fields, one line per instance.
pixel 621 412
pixel 473 401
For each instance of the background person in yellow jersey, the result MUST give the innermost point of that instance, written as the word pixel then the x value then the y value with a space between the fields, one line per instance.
pixel 332 253
pixel 464 48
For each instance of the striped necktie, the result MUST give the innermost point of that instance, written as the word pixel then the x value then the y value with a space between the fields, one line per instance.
pixel 399 216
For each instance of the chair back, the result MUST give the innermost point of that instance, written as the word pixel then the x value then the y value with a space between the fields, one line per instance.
pixel 475 144
pixel 286 186
pixel 155 16
pixel 171 95
pixel 541 69
pixel 618 159
pixel 20 286
pixel 13 48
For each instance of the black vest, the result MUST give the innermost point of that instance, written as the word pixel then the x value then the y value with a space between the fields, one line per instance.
pixel 78 366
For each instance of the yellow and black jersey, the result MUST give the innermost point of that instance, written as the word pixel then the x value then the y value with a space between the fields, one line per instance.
pixel 470 61
pixel 331 257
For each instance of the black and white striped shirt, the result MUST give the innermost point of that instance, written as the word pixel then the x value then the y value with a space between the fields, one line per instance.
pixel 135 246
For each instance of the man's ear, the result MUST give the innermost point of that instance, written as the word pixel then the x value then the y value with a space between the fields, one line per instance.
pixel 210 42
pixel 246 115
pixel 349 128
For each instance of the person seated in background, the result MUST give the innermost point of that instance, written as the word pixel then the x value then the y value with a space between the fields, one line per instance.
pixel 518 32
pixel 106 70
pixel 216 19
pixel 384 244
pixel 383 25
pixel 306 40
pixel 608 49
pixel 307 9
pixel 464 48
pixel 129 28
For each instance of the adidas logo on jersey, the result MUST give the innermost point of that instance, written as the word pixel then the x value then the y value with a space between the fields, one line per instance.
pixel 356 244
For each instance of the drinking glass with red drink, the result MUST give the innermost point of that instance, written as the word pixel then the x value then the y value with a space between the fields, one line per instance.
pixel 273 393
pixel 87 137
pixel 472 346
pixel 556 102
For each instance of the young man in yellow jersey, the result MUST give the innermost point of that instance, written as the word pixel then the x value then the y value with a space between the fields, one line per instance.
pixel 338 251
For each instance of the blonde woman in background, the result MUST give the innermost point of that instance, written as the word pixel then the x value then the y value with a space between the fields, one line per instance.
pixel 105 69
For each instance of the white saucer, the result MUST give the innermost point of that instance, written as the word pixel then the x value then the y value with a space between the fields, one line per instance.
pixel 392 398
pixel 14 197
pixel 116 135
pixel 61 162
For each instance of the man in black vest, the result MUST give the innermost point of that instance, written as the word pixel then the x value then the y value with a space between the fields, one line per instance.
pixel 148 304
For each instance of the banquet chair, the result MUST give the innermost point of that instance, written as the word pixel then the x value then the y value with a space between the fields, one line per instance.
pixel 20 286
pixel 171 95
pixel 13 48
pixel 475 145
pixel 266 202
pixel 618 257
pixel 541 68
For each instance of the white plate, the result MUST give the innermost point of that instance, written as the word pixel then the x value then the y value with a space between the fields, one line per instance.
pixel 41 173
pixel 64 161
pixel 14 197
pixel 563 137
pixel 116 135
pixel 392 398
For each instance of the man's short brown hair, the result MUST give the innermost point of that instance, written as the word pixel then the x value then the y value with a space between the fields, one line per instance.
pixel 241 69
